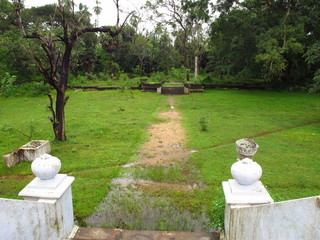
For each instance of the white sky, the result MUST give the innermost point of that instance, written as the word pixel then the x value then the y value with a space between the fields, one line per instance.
pixel 108 13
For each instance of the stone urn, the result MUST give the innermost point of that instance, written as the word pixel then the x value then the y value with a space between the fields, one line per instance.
pixel 246 148
pixel 46 166
pixel 246 172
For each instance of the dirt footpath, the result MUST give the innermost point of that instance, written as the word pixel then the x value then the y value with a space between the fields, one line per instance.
pixel 166 144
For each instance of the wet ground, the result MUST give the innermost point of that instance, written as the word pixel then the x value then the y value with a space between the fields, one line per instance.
pixel 128 205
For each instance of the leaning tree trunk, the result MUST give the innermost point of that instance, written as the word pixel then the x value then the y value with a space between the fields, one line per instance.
pixel 61 99
pixel 59 124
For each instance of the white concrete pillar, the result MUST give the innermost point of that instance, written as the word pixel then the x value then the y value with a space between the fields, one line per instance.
pixel 55 191
pixel 245 190
pixel 238 196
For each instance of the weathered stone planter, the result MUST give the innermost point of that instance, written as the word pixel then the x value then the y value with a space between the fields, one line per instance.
pixel 34 149
pixel 27 152
pixel 246 148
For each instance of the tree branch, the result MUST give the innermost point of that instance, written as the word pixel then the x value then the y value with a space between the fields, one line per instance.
pixel 18 5
pixel 53 117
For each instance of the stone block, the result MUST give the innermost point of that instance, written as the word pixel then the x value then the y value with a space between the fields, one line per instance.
pixel 34 149
pixel 27 152
pixel 11 159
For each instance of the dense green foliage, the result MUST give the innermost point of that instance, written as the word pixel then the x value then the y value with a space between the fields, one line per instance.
pixel 277 41
pixel 265 39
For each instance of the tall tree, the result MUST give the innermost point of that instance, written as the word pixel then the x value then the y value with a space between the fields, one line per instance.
pixel 184 17
pixel 13 60
pixel 97 10
pixel 264 39
pixel 57 39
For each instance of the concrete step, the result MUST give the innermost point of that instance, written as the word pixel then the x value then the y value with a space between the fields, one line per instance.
pixel 118 234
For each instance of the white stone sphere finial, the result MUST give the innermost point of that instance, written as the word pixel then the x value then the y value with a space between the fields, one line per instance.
pixel 46 166
pixel 246 172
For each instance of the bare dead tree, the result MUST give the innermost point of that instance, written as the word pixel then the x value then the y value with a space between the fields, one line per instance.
pixel 57 41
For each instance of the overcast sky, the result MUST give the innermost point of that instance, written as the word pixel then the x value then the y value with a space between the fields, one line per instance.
pixel 108 14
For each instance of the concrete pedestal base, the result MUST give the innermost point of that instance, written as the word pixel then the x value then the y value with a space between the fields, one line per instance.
pixel 57 193
pixel 238 196
pixel 46 189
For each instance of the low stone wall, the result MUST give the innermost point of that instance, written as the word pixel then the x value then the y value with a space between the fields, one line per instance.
pixel 295 220
pixel 172 90
pixel 96 88
pixel 45 213
pixel 192 87
pixel 42 219
pixel 235 86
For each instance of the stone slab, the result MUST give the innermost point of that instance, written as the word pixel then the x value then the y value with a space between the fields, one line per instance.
pixel 155 235
pixel 238 194
pixel 117 234
pixel 11 159
pixel 48 189
pixel 293 220
pixel 97 233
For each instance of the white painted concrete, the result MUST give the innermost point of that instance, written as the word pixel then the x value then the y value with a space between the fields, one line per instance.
pixel 35 220
pixel 46 213
pixel 47 189
pixel 46 166
pixel 246 172
pixel 159 90
pixel 240 196
pixel 290 220
pixel 236 194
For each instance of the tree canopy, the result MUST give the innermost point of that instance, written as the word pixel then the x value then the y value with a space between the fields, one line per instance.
pixel 273 40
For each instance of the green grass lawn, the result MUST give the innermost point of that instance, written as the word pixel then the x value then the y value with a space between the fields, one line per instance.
pixel 105 129
pixel 285 125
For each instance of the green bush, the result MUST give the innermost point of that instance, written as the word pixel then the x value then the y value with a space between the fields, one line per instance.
pixel 315 87
pixel 159 77
pixel 8 87
pixel 203 124
pixel 141 80
pixel 177 74
pixel 38 88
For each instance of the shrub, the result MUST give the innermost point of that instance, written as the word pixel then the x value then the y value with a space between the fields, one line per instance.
pixel 158 77
pixel 39 88
pixel 203 124
pixel 8 87
pixel 141 80
pixel 315 87
pixel 178 74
